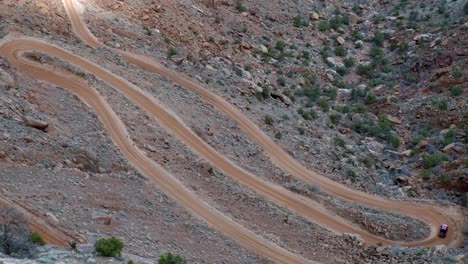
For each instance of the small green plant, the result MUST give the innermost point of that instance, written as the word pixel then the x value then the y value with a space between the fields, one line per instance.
pixel 465 8
pixel 109 247
pixel 339 142
pixel 280 45
pixel 379 38
pixel 278 135
pixel 352 174
pixel 307 115
pixel 37 239
pixel 171 52
pixel 268 120
pixel 365 70
pixel 169 258
pixel 301 131
pixel 335 119
pixel 348 62
pixel 323 26
pixel 239 72
pixel 130 262
pixel 432 160
pixel 299 22
pixel 456 90
pixel 341 51
pixel 449 137
pixel 241 8
pixel 457 73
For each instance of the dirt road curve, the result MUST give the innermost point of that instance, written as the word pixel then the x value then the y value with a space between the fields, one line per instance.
pixel 433 216
pixel 50 234
pixel 12 50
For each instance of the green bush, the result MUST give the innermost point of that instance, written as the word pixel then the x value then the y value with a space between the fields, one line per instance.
pixel 449 137
pixel 307 115
pixel 268 120
pixel 348 62
pixel 341 51
pixel 456 91
pixel 171 52
pixel 240 7
pixel 457 73
pixel 299 22
pixel 365 70
pixel 339 142
pixel 37 239
pixel 379 38
pixel 280 45
pixel 109 247
pixel 278 135
pixel 171 259
pixel 323 25
pixel 465 8
pixel 432 160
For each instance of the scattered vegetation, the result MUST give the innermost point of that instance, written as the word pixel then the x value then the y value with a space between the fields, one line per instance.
pixel 109 247
pixel 169 258
pixel 15 236
pixel 37 239
pixel 241 8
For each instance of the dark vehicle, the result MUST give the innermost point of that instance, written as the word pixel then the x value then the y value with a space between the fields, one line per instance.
pixel 443 230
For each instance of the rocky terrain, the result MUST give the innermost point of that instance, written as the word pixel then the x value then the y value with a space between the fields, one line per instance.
pixel 371 94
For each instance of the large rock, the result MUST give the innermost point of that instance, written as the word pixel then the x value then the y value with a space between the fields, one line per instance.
pixel 340 40
pixel 314 16
pixel 86 160
pixel 36 123
pixel 277 95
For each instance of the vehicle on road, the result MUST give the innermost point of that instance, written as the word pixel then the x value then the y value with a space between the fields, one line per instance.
pixel 443 230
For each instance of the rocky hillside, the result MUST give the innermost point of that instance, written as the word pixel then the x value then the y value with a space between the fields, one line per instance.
pixel 371 94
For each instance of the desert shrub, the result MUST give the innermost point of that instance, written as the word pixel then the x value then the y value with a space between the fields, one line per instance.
pixel 456 91
pixel 37 239
pixel 109 247
pixel 280 45
pixel 342 71
pixel 365 70
pixel 301 131
pixel 339 142
pixel 341 51
pixel 241 8
pixel 457 73
pixel 323 104
pixel 313 94
pixel 130 262
pixel 432 160
pixel 352 174
pixel 299 22
pixel 171 52
pixel 307 115
pixel 169 258
pixel 15 234
pixel 268 120
pixel 379 38
pixel 323 25
pixel 348 62
pixel 465 8
pixel 449 137
pixel 278 135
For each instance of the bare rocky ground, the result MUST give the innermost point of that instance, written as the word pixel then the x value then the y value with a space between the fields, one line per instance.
pixel 74 138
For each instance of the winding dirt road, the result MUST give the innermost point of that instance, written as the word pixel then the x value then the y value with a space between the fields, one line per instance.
pixel 433 216
pixel 13 51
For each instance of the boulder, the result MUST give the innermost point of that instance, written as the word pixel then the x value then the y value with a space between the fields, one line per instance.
pixel 394 120
pixel 177 59
pixel 448 147
pixel 314 16
pixel 277 95
pixel 340 40
pixel 86 160
pixel 32 122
